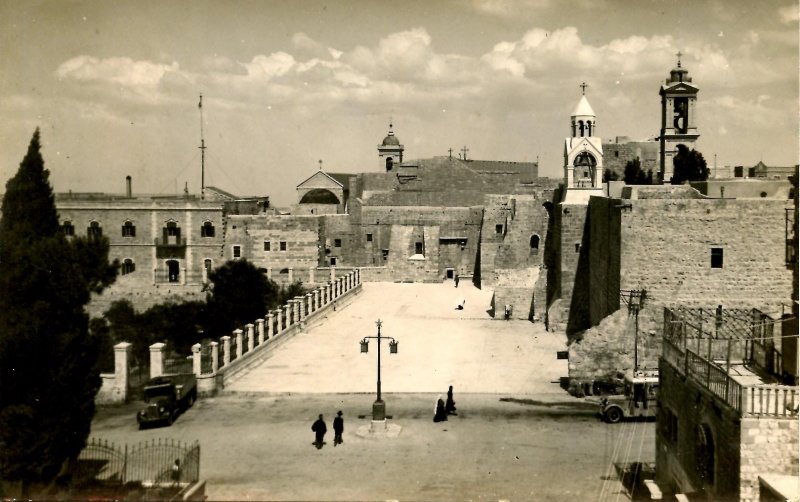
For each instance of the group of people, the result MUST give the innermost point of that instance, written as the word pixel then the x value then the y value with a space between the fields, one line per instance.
pixel 319 428
pixel 443 409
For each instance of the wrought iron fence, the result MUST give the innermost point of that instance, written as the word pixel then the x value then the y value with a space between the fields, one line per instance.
pixel 159 462
pixel 178 365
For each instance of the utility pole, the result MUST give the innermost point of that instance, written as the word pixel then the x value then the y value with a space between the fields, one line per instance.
pixel 636 299
pixel 202 153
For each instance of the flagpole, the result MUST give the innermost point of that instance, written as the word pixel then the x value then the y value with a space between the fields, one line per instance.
pixel 202 153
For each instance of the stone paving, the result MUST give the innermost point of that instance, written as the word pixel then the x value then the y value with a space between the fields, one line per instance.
pixel 438 346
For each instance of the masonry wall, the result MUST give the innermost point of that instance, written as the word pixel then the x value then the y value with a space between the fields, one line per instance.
pixel 616 155
pixel 666 249
pixel 573 266
pixel 767 446
pixel 300 234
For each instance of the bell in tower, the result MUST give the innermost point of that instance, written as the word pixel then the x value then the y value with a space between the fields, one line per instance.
pixel 678 119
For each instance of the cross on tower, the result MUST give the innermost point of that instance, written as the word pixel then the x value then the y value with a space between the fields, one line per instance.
pixel 583 87
pixel 450 152
pixel 320 164
pixel 679 58
pixel 464 151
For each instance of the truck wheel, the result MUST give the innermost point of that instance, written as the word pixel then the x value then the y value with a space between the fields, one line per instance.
pixel 613 415
pixel 171 418
pixel 190 400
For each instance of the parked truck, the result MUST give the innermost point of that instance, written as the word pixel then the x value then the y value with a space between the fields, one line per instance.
pixel 166 396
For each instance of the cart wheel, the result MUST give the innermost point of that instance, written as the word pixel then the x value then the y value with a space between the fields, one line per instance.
pixel 613 415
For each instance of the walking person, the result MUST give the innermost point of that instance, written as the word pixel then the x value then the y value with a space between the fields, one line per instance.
pixel 338 428
pixel 455 279
pixel 439 414
pixel 450 406
pixel 319 429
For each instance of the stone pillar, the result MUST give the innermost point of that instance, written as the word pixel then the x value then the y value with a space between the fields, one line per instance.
pixel 317 299
pixel 157 359
pixel 238 334
pixel 249 338
pixel 122 368
pixel 183 275
pixel 287 313
pixel 310 303
pixel 270 324
pixel 311 271
pixel 358 276
pixel 260 330
pixel 332 274
pixel 214 357
pixel 226 350
pixel 197 366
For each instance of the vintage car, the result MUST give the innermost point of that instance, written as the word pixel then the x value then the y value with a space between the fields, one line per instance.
pixel 166 396
pixel 640 397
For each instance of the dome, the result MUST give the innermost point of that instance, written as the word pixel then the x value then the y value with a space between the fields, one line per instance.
pixel 390 140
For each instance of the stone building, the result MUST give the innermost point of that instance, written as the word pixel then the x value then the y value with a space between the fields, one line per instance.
pixel 727 426
pixel 762 170
pixel 622 150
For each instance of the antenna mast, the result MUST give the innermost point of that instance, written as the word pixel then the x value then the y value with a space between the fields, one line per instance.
pixel 202 153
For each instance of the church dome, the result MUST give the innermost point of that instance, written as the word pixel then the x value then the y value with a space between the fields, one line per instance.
pixel 583 108
pixel 390 139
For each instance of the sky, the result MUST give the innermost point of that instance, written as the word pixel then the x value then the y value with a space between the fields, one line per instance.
pixel 114 86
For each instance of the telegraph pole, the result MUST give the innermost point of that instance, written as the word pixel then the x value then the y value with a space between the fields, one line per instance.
pixel 202 153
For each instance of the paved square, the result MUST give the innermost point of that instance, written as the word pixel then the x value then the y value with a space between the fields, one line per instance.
pixel 438 346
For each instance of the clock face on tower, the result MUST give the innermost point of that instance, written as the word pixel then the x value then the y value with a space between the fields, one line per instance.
pixel 681 117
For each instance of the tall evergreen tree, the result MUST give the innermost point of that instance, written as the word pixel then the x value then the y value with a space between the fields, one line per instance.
pixel 48 371
pixel 689 165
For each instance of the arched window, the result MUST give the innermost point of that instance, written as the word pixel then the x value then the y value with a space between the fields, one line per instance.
pixel 534 243
pixel 69 229
pixel 94 230
pixel 284 271
pixel 589 127
pixel 128 229
pixel 389 164
pixel 173 271
pixel 128 266
pixel 207 230
pixel 581 127
pixel 172 233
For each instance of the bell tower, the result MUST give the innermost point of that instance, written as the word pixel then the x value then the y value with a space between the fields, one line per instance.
pixel 583 155
pixel 678 117
pixel 390 151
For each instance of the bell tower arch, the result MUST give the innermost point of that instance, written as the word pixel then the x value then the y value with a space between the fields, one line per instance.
pixel 390 151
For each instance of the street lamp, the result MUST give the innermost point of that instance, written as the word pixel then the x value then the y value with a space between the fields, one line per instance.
pixel 379 407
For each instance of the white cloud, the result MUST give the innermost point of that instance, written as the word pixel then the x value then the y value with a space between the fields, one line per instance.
pixel 267 67
pixel 119 70
pixel 789 14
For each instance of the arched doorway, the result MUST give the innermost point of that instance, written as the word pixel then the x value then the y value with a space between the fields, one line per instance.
pixel 584 169
pixel 705 454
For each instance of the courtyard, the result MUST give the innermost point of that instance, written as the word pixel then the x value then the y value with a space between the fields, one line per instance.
pixel 517 435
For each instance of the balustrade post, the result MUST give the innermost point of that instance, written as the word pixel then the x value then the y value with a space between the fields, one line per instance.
pixel 122 368
pixel 270 321
pixel 260 330
pixel 310 303
pixel 226 350
pixel 214 357
pixel 197 367
pixel 299 303
pixel 238 334
pixel 287 314
pixel 317 298
pixel 332 274
pixel 249 339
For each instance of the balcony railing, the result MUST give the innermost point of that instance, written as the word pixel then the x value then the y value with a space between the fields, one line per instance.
pixel 748 400
pixel 171 241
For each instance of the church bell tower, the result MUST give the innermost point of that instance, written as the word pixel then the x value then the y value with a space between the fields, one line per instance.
pixel 390 151
pixel 678 117
pixel 583 155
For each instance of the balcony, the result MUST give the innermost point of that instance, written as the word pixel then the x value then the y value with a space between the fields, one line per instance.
pixel 737 381
pixel 171 241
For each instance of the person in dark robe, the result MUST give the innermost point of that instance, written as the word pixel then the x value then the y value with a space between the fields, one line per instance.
pixel 338 428
pixel 450 406
pixel 440 415
pixel 319 429
pixel 456 280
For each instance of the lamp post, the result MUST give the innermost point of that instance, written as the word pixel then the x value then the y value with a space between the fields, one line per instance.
pixel 379 407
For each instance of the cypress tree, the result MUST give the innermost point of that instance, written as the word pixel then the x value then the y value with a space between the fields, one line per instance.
pixel 48 371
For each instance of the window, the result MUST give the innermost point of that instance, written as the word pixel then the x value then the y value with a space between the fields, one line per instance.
pixel 267 245
pixel 207 230
pixel 369 237
pixel 616 153
pixel 171 233
pixel 208 264
pixel 498 229
pixel 128 266
pixel 68 228
pixel 577 247
pixel 128 229
pixel 333 261
pixel 237 251
pixel 716 257
pixel 337 243
pixel 385 253
pixel 283 245
pixel 94 230
pixel 534 242
pixel 418 248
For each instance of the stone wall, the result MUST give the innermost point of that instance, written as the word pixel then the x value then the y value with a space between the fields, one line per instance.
pixel 618 153
pixel 767 446
pixel 573 273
